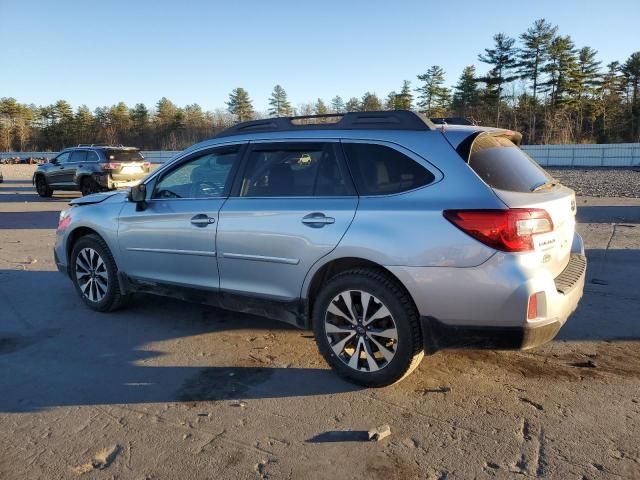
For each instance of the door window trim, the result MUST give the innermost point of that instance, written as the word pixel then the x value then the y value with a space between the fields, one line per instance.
pixel 256 144
pixel 419 159
pixel 153 181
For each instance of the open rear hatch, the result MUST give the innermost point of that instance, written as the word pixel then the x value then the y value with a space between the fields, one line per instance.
pixel 522 184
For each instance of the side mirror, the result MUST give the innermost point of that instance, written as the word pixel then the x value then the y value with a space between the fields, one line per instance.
pixel 138 194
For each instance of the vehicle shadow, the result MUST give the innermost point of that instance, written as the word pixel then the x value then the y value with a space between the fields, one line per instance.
pixel 608 214
pixel 28 220
pixel 57 352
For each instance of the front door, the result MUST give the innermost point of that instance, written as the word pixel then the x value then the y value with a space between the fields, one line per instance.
pixel 56 169
pixel 293 204
pixel 173 241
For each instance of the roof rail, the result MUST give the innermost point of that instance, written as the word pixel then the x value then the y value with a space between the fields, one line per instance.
pixel 115 145
pixel 378 120
pixel 451 121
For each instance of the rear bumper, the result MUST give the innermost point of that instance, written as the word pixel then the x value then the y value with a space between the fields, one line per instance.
pixel 107 181
pixel 439 336
pixel 486 306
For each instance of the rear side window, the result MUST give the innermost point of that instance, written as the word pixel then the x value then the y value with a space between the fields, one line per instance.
pixel 295 170
pixel 502 165
pixel 381 170
pixel 123 156
pixel 92 156
pixel 78 156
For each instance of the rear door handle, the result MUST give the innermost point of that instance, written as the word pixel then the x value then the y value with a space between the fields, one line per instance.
pixel 202 220
pixel 317 220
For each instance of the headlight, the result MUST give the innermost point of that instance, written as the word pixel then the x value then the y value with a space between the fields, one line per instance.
pixel 64 220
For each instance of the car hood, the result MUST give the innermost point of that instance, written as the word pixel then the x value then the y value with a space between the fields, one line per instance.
pixel 99 197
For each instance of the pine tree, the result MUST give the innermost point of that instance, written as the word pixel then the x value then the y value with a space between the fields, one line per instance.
pixel 320 108
pixel 582 85
pixel 433 95
pixel 465 95
pixel 83 120
pixel 631 72
pixel 404 100
pixel 562 63
pixel 504 60
pixel 370 102
pixel 280 106
pixel 337 104
pixel 532 58
pixel 391 101
pixel 353 105
pixel 239 105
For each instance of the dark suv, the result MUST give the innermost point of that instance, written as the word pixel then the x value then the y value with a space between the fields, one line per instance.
pixel 90 169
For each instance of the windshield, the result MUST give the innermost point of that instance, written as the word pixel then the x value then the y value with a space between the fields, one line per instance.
pixel 123 155
pixel 504 166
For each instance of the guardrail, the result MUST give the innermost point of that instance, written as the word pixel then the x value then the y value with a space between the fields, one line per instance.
pixel 603 155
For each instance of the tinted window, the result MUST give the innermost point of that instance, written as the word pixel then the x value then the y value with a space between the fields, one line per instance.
pixel 123 155
pixel 78 156
pixel 63 157
pixel 202 177
pixel 380 170
pixel 504 166
pixel 295 170
pixel 92 156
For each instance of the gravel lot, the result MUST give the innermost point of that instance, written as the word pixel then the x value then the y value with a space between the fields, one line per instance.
pixel 600 182
pixel 174 390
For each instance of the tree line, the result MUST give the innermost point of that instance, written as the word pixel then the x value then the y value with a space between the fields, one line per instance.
pixel 539 83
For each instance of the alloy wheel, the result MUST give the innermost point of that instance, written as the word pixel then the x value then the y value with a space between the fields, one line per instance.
pixel 361 330
pixel 91 274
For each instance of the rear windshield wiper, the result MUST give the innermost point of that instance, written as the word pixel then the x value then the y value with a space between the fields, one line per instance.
pixel 542 186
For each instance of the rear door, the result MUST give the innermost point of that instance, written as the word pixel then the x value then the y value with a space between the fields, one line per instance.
pixel 291 206
pixel 521 183
pixel 173 240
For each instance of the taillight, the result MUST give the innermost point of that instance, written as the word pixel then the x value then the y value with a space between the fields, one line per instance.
pixel 506 230
pixel 146 164
pixel 110 166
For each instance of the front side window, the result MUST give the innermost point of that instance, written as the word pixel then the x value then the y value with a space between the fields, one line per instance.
pixel 202 177
pixel 381 170
pixel 295 170
pixel 63 157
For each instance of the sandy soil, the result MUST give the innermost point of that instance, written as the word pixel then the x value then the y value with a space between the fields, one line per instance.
pixel 173 390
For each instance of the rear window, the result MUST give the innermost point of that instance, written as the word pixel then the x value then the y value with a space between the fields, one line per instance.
pixel 123 155
pixel 504 166
pixel 380 170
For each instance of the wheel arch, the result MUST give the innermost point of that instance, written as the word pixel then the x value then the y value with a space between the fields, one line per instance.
pixel 330 269
pixel 75 235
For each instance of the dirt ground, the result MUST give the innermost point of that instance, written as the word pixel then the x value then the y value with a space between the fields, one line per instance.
pixel 167 390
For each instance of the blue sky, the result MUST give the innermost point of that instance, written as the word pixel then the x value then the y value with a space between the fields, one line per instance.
pixel 102 52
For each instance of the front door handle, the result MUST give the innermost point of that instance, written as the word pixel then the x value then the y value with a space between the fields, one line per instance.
pixel 317 220
pixel 202 220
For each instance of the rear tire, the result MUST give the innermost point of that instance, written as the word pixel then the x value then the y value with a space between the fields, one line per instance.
pixel 42 187
pixel 95 274
pixel 367 327
pixel 88 186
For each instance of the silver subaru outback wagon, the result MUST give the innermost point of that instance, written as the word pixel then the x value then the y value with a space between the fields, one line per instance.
pixel 387 236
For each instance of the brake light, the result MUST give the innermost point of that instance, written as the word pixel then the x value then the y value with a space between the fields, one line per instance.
pixel 506 230
pixel 110 166
pixel 146 164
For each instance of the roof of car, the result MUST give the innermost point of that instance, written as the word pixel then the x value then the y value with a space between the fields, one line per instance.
pixel 376 120
pixel 101 146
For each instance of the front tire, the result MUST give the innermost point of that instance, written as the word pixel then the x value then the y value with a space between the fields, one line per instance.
pixel 367 328
pixel 42 187
pixel 95 274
